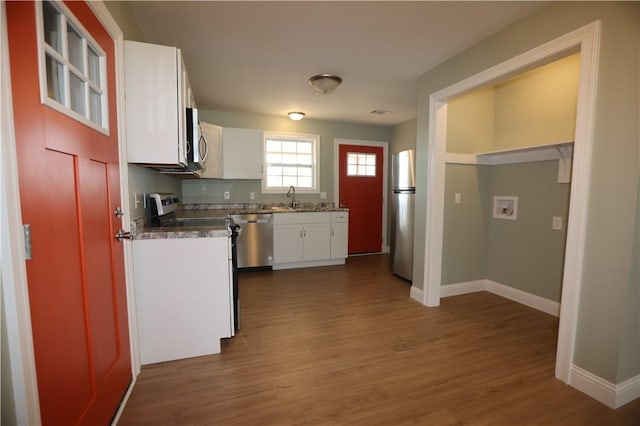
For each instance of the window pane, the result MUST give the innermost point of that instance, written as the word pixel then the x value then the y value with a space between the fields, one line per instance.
pixel 290 171
pixel 304 147
pixel 273 145
pixel 95 107
pixel 304 171
pixel 274 170
pixel 75 48
pixel 352 170
pixel 371 160
pixel 55 79
pixel 305 159
pixel 274 158
pixel 288 159
pixel 289 181
pixel 371 170
pixel 93 61
pixel 288 147
pixel 305 182
pixel 52 34
pixel 77 94
pixel 274 181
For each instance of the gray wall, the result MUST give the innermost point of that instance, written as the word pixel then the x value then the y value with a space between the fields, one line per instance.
pixel 526 253
pixel 607 271
pixel 211 190
pixel 466 225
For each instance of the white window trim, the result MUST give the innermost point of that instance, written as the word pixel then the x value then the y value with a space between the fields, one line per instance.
pixel 316 163
pixel 42 52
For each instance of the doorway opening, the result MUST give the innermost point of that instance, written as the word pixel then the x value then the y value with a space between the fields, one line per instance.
pixel 585 41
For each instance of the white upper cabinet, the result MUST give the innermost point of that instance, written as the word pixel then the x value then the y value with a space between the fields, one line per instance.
pixel 242 151
pixel 213 161
pixel 156 91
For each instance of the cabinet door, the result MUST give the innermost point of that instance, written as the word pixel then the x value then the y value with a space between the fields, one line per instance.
pixel 213 162
pixel 339 240
pixel 287 243
pixel 242 153
pixel 317 241
pixel 184 306
pixel 153 86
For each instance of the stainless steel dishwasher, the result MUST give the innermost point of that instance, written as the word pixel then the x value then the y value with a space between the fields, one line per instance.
pixel 255 239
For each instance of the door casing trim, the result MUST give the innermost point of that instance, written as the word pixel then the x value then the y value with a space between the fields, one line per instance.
pixel 586 40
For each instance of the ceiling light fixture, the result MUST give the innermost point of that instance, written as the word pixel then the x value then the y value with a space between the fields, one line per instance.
pixel 296 115
pixel 325 83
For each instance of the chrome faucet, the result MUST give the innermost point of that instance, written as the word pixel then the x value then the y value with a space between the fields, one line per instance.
pixel 291 193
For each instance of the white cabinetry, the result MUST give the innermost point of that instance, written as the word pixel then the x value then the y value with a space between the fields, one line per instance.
pixel 184 296
pixel 242 152
pixel 308 239
pixel 213 163
pixel 339 234
pixel 157 92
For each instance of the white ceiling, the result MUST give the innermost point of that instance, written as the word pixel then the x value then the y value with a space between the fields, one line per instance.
pixel 256 57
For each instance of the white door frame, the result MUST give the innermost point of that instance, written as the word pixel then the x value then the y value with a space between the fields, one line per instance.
pixel 15 303
pixel 586 40
pixel 385 171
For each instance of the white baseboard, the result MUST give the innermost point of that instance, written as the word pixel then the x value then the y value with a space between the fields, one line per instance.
pixel 308 264
pixel 531 300
pixel 463 288
pixel 416 294
pixel 611 395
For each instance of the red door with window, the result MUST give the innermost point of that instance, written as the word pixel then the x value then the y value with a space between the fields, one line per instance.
pixel 360 190
pixel 69 188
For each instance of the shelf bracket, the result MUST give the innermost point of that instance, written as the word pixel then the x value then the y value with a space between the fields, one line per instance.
pixel 565 163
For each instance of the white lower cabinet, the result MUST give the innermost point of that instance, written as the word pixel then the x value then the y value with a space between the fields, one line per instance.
pixel 183 296
pixel 308 239
pixel 339 235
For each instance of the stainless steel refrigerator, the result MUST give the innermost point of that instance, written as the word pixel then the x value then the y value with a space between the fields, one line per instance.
pixel 403 183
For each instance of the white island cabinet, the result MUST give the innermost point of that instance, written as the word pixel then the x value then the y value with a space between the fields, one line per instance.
pixel 184 296
pixel 309 239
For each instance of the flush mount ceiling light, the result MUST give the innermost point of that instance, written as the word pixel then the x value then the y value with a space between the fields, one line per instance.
pixel 296 115
pixel 325 83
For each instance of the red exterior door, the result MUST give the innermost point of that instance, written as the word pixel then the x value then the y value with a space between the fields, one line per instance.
pixel 69 187
pixel 360 190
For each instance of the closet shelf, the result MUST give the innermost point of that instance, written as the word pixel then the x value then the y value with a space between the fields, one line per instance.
pixel 554 151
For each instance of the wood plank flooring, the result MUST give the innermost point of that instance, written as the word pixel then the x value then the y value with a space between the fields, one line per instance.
pixel 346 346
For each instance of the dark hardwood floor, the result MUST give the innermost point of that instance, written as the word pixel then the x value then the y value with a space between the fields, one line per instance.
pixel 346 346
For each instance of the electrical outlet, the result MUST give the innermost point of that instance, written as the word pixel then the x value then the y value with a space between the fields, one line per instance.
pixel 226 195
pixel 252 195
pixel 457 198
pixel 323 195
pixel 557 223
pixel 137 200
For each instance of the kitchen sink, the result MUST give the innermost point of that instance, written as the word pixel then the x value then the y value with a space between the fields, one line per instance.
pixel 282 208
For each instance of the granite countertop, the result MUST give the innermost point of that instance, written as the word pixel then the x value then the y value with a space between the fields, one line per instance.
pixel 201 230
pixel 211 217
pixel 222 210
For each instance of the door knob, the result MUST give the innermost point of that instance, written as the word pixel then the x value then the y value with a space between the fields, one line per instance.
pixel 123 235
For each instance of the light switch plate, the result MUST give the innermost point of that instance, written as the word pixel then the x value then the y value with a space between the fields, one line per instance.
pixel 252 195
pixel 557 223
pixel 323 195
pixel 458 198
pixel 226 195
